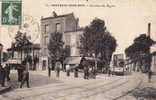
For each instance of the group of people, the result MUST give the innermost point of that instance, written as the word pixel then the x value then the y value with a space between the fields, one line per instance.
pixel 4 74
pixel 23 74
pixel 58 67
pixel 89 71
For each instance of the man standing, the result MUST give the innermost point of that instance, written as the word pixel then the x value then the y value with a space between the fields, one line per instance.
pixel 49 71
pixel 76 72
pixel 58 65
pixel 7 71
pixel 19 71
pixel 68 69
pixel 86 73
pixel 2 77
pixel 149 76
pixel 25 77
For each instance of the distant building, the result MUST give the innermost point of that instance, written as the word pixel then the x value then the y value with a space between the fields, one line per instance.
pixel 153 64
pixel 66 24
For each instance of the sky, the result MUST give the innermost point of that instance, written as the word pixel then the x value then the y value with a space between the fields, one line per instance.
pixel 126 19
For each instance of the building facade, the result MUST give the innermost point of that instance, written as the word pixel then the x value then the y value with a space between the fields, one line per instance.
pixel 67 25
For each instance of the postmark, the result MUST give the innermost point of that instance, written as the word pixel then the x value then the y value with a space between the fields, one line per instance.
pixel 30 26
pixel 11 12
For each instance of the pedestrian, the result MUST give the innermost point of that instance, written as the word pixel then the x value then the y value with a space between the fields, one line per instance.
pixel 68 70
pixel 86 73
pixel 0 73
pixel 109 72
pixel 76 71
pixel 85 76
pixel 19 71
pixel 7 71
pixel 2 77
pixel 94 72
pixel 25 77
pixel 149 76
pixel 49 71
pixel 58 64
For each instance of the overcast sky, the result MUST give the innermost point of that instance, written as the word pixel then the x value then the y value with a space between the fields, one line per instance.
pixel 125 20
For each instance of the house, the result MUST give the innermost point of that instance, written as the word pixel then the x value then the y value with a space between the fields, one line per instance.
pixel 65 24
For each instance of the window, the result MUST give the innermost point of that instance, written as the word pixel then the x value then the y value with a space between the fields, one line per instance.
pixel 47 28
pixel 73 40
pixel 58 27
pixel 46 41
pixel 45 51
pixel 67 39
pixel 78 40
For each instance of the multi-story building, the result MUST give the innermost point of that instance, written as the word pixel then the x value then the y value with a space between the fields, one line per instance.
pixel 67 25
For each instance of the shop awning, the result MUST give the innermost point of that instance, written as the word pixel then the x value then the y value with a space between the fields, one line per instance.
pixel 76 60
pixel 72 60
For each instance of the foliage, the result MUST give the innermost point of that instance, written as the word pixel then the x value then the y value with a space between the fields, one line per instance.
pixel 139 51
pixel 97 41
pixel 109 46
pixel 91 39
pixel 20 40
pixel 141 45
pixel 55 47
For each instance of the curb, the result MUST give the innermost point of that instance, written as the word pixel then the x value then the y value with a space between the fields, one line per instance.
pixel 5 90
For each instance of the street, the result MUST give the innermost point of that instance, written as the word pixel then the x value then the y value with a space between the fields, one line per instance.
pixel 69 88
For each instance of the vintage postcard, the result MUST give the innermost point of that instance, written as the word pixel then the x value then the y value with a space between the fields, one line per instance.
pixel 77 50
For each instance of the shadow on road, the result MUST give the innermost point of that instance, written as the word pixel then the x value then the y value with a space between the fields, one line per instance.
pixel 147 93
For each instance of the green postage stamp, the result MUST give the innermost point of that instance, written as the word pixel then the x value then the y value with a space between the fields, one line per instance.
pixel 11 12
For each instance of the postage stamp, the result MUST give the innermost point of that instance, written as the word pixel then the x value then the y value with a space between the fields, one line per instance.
pixel 11 12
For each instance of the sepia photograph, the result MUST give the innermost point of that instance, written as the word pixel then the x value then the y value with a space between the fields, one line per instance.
pixel 77 50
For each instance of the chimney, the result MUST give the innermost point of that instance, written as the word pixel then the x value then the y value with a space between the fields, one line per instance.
pixel 149 29
pixel 54 14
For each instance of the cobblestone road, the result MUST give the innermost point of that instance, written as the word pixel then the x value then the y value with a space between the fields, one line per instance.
pixel 70 88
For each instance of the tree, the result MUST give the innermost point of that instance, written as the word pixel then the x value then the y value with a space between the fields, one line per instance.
pixel 55 47
pixel 91 40
pixel 97 41
pixel 109 46
pixel 141 46
pixel 21 40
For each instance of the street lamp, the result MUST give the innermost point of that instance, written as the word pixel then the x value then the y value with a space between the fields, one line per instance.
pixel 1 47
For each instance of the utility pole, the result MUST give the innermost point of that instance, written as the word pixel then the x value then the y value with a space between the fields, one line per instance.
pixel 149 30
pixel 149 65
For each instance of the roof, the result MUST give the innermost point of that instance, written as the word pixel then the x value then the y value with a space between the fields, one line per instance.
pixel 52 17
pixel 78 30
pixel 33 46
